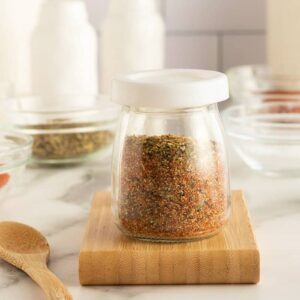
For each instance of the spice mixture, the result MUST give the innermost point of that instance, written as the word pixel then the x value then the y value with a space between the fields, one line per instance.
pixel 171 187
pixel 68 145
pixel 279 95
pixel 4 179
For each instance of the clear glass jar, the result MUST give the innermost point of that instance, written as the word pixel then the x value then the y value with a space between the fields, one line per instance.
pixel 170 172
pixel 132 39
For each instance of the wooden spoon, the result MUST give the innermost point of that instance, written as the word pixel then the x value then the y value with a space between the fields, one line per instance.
pixel 27 249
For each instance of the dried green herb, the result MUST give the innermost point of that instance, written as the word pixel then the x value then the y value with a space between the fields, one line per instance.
pixel 171 188
pixel 68 145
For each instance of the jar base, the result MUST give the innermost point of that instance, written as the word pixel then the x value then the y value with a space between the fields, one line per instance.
pixel 168 239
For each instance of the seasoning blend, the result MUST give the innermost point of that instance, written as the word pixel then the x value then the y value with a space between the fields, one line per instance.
pixel 64 54
pixel 170 173
pixel 132 39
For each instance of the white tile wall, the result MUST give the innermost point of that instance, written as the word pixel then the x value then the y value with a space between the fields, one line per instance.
pixel 192 51
pixel 239 49
pixel 215 15
pixel 214 34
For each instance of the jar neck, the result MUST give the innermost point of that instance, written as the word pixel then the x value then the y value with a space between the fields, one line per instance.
pixel 171 110
pixel 132 6
pixel 63 11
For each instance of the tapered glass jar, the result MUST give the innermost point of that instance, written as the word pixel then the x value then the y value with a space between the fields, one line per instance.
pixel 170 173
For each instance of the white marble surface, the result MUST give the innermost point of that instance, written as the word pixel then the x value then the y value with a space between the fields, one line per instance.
pixel 57 201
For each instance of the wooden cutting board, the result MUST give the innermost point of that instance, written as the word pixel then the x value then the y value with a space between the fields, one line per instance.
pixel 109 258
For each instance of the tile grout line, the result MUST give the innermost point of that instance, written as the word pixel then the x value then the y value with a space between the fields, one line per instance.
pixel 208 33
pixel 220 48
pixel 164 9
pixel 211 32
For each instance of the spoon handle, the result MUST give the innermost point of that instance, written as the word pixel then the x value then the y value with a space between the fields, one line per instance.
pixel 52 286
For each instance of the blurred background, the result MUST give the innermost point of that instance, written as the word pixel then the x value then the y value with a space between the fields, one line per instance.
pixel 207 34
pixel 211 34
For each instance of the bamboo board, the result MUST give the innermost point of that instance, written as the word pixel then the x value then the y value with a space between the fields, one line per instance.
pixel 109 258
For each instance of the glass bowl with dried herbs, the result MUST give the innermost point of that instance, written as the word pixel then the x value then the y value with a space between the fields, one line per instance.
pixel 15 151
pixel 170 172
pixel 65 133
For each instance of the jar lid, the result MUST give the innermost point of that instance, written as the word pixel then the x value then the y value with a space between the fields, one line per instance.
pixel 174 88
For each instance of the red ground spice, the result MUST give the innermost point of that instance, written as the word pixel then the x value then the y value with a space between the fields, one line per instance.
pixel 171 188
pixel 280 96
pixel 4 179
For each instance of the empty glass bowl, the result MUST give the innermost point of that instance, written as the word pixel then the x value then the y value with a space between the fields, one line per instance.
pixel 15 151
pixel 266 136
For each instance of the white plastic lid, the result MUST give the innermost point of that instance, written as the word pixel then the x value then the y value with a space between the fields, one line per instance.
pixel 174 88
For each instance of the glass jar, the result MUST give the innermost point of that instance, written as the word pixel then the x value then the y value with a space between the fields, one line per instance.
pixel 132 39
pixel 170 172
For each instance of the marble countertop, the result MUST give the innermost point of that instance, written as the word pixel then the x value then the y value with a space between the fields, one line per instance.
pixel 57 202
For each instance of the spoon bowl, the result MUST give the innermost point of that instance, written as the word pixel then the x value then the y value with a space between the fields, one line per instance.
pixel 22 239
pixel 27 249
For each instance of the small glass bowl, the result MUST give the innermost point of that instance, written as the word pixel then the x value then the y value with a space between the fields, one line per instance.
pixel 266 136
pixel 70 134
pixel 257 83
pixel 15 151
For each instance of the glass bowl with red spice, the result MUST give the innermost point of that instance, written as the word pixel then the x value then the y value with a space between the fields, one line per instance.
pixel 250 84
pixel 170 172
pixel 266 136
pixel 15 151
